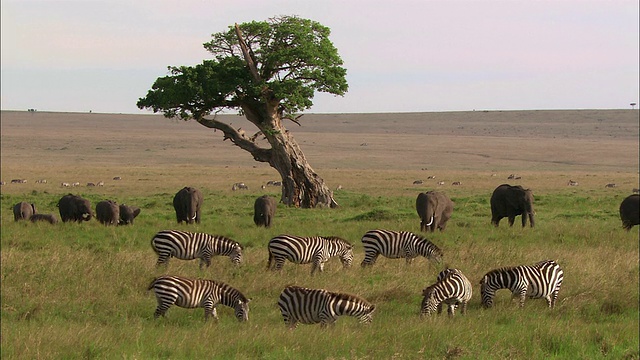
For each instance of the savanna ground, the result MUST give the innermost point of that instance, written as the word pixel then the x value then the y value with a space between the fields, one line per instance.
pixel 79 290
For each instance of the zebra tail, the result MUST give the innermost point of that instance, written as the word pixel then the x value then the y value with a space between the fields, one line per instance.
pixel 270 260
pixel 153 282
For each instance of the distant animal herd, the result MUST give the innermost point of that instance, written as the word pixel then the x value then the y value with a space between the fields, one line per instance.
pixel 311 306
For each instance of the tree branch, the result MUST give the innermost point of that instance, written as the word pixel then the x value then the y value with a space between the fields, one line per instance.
pixel 247 55
pixel 238 138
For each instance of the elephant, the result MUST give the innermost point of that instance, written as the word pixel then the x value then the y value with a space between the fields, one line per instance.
pixel 264 210
pixel 74 208
pixel 127 214
pixel 511 201
pixel 108 212
pixel 434 210
pixel 23 211
pixel 50 218
pixel 629 211
pixel 187 203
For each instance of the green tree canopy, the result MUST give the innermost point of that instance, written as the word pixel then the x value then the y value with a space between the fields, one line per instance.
pixel 293 59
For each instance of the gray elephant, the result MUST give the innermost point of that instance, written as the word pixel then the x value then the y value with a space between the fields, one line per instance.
pixel 264 210
pixel 50 218
pixel 23 211
pixel 108 212
pixel 510 201
pixel 630 211
pixel 74 208
pixel 434 210
pixel 187 203
pixel 127 214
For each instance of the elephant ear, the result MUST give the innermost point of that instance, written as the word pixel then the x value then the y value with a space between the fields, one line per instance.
pixel 136 211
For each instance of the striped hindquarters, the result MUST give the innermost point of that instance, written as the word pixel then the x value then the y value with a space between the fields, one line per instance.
pixel 452 288
pixel 397 244
pixel 186 245
pixel 196 293
pixel 312 306
pixel 304 250
pixel 541 280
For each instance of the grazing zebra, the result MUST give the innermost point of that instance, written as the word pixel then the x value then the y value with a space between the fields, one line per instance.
pixel 541 280
pixel 195 293
pixel 188 246
pixel 303 250
pixel 312 306
pixel 397 244
pixel 452 288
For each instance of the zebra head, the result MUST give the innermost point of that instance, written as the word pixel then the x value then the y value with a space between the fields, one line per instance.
pixel 487 292
pixel 242 309
pixel 429 302
pixel 236 254
pixel 347 256
pixel 367 316
pixel 343 249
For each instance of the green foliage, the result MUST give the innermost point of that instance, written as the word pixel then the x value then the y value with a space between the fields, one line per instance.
pixel 294 58
pixel 79 290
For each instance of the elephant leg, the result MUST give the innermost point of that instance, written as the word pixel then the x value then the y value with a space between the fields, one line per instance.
pixel 512 219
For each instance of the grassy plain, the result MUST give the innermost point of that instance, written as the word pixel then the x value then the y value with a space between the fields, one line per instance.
pixel 79 291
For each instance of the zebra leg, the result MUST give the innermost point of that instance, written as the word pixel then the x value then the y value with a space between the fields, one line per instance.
pixel 451 309
pixel 326 321
pixel 163 259
pixel 439 308
pixel 163 305
pixel 205 260
pixel 317 263
pixel 369 258
pixel 523 295
pixel 554 297
pixel 463 308
pixel 279 263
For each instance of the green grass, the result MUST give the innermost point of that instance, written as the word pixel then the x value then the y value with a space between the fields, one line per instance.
pixel 79 290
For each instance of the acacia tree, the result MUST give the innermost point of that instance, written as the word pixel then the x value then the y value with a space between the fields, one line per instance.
pixel 268 71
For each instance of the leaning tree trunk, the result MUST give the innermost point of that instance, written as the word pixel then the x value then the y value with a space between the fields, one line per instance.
pixel 301 186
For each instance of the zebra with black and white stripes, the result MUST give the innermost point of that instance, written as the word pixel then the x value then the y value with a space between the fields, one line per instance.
pixel 541 280
pixel 303 250
pixel 397 244
pixel 198 293
pixel 312 306
pixel 186 245
pixel 451 288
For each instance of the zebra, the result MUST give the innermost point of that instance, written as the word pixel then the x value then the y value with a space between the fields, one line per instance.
pixel 312 306
pixel 451 288
pixel 188 246
pixel 397 244
pixel 195 293
pixel 303 250
pixel 541 280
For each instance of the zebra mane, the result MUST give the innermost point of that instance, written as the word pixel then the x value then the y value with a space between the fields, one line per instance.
pixel 336 239
pixel 230 289
pixel 348 297
pixel 501 270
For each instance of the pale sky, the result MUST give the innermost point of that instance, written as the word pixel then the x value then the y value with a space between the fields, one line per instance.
pixel 400 55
